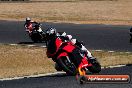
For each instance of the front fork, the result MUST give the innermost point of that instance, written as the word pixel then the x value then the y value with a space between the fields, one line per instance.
pixel 82 72
pixel 81 78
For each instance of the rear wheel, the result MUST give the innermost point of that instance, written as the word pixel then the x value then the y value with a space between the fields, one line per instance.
pixel 36 37
pixel 67 65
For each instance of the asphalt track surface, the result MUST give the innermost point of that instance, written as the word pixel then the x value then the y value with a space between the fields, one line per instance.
pixel 104 37
pixel 95 37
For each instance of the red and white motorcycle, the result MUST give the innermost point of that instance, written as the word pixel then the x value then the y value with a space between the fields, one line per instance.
pixel 70 58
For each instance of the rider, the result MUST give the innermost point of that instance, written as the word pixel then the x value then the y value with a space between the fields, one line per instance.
pixel 29 25
pixel 66 38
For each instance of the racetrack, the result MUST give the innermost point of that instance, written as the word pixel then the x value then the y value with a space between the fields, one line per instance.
pixel 104 37
pixel 95 37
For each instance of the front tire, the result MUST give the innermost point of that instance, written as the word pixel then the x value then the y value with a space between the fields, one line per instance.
pixel 82 79
pixel 57 67
pixel 96 67
pixel 67 66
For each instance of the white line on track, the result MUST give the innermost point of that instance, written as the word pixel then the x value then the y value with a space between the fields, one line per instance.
pixel 31 45
pixel 13 44
pixel 33 76
pixel 111 51
pixel 43 46
pixel 28 45
pixel 128 52
pixel 98 50
pixel 113 66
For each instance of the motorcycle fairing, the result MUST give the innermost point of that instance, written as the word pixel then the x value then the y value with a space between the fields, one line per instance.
pixel 62 54
pixel 30 27
pixel 84 63
pixel 81 59
pixel 69 47
pixel 53 47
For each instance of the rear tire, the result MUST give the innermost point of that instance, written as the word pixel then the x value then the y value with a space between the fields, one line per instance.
pixel 36 38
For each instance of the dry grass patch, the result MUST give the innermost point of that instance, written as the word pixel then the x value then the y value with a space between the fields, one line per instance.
pixel 20 60
pixel 113 58
pixel 23 60
pixel 107 12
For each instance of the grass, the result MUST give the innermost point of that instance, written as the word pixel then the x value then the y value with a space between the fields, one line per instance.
pixel 24 60
pixel 113 58
pixel 99 12
pixel 20 60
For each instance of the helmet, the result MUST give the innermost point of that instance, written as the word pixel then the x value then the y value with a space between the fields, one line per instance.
pixel 69 37
pixel 51 31
pixel 28 19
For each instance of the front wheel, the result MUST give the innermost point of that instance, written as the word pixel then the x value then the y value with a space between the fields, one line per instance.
pixel 96 67
pixel 67 65
pixel 57 67
pixel 82 79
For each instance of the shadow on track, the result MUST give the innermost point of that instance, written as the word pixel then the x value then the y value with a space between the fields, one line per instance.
pixel 25 43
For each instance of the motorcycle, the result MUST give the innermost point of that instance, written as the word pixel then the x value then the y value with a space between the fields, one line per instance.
pixel 69 58
pixel 37 35
pixel 130 32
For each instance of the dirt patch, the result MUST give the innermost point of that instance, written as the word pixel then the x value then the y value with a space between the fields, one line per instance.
pixel 23 60
pixel 100 12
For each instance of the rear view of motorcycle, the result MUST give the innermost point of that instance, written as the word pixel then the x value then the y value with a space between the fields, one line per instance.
pixel 69 58
pixel 37 34
pixel 130 32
